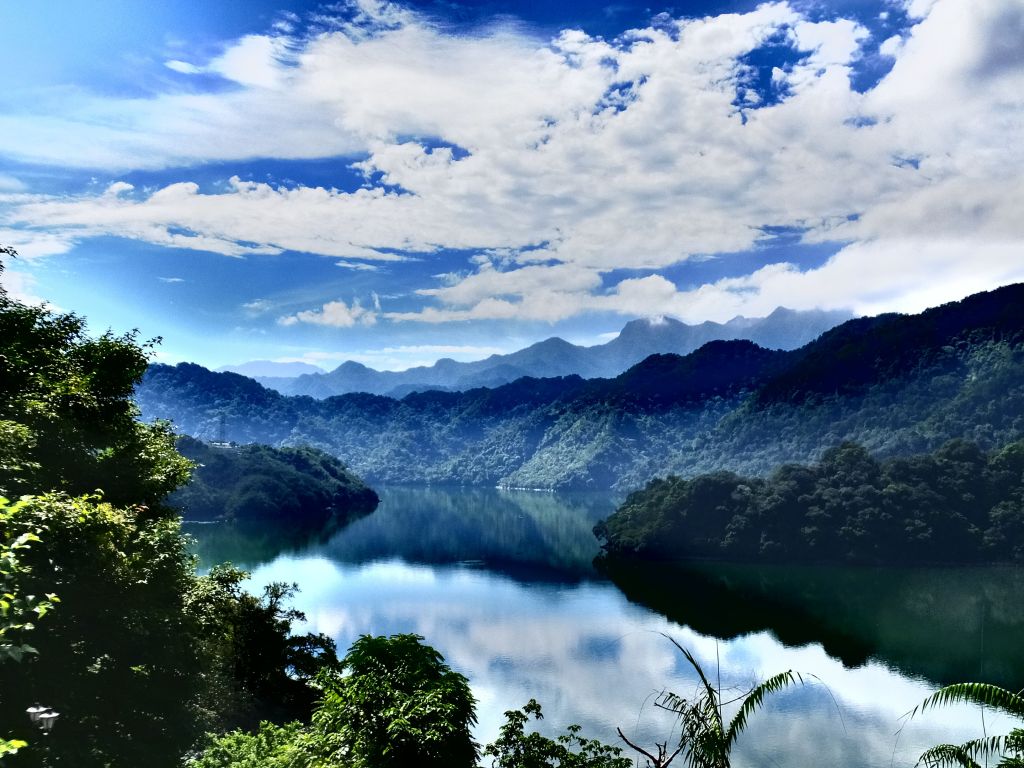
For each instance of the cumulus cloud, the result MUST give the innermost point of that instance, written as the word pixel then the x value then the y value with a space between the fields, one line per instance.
pixel 334 314
pixel 564 160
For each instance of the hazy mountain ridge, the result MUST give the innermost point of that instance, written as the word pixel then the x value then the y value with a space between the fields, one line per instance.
pixel 271 369
pixel 896 384
pixel 782 329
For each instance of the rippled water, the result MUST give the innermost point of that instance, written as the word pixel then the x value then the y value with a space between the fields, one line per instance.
pixel 502 583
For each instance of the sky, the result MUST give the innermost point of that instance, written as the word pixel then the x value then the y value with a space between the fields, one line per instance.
pixel 394 183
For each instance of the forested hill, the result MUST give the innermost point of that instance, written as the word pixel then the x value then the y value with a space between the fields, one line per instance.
pixel 256 482
pixel 895 384
pixel 957 504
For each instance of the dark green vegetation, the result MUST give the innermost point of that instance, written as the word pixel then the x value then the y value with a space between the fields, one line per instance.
pixel 302 486
pixel 391 703
pixel 898 385
pixel 515 748
pixel 140 656
pixel 958 504
pixel 397 704
pixel 1009 748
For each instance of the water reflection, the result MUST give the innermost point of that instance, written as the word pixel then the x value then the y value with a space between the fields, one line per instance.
pixel 251 544
pixel 592 657
pixel 944 624
pixel 502 584
pixel 528 535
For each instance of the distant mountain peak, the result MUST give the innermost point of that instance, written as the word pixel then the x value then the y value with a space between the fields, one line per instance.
pixel 554 356
pixel 267 368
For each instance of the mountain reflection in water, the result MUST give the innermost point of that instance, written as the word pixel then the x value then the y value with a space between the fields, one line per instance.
pixel 502 583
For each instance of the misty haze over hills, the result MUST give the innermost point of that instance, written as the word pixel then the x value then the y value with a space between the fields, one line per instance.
pixel 271 368
pixel 782 329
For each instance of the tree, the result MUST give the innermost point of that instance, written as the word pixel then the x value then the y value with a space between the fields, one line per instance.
pixel 398 704
pixel 67 419
pixel 143 656
pixel 705 740
pixel 1010 747
pixel 256 668
pixel 515 748
pixel 18 610
pixel 119 658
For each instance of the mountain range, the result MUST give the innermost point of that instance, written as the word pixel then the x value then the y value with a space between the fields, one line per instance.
pixel 896 384
pixel 782 329
pixel 272 369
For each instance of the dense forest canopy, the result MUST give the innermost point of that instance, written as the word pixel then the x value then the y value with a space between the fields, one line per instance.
pixel 958 504
pixel 302 486
pixel 896 384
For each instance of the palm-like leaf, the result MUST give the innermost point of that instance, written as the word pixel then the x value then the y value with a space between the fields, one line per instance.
pixel 755 698
pixel 974 693
pixel 709 690
pixel 967 755
pixel 706 741
pixel 963 755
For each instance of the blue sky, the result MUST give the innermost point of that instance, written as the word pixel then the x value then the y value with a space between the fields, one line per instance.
pixel 399 182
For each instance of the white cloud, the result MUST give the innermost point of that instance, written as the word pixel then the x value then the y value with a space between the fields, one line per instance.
pixel 357 266
pixel 34 244
pixel 183 67
pixel 564 177
pixel 171 279
pixel 258 306
pixel 334 314
pixel 21 286
pixel 891 46
pixel 9 183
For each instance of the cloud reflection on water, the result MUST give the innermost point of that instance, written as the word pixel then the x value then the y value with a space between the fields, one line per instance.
pixel 518 640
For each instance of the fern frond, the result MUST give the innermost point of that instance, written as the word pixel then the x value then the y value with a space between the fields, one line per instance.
pixel 974 693
pixel 964 755
pixel 755 698
pixel 708 688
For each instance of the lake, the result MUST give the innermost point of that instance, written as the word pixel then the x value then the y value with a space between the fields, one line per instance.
pixel 502 583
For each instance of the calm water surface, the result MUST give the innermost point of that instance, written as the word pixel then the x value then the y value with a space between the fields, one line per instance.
pixel 502 583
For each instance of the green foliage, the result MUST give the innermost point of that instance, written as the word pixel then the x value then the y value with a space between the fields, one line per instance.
pixel 67 422
pixel 256 668
pixel 897 385
pixel 957 504
pixel 18 610
pixel 515 748
pixel 398 704
pixel 11 746
pixel 300 486
pixel 706 740
pixel 271 746
pixel 118 656
pixel 142 656
pixel 1010 748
